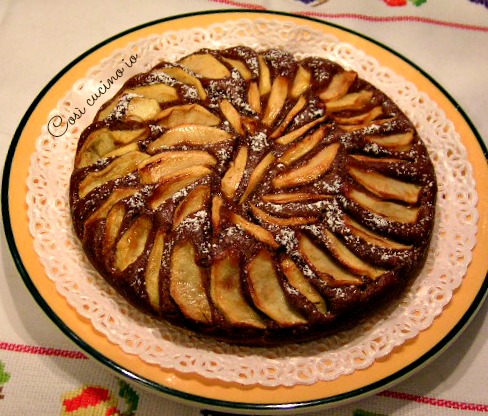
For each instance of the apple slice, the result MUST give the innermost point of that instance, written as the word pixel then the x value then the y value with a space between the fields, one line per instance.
pixel 132 243
pixel 303 147
pixel 240 67
pixel 142 109
pixel 233 176
pixel 205 65
pixel 386 187
pixel 338 86
pixel 232 115
pixel 369 159
pixel 162 93
pixel 226 293
pixel 286 198
pixel 180 180
pixel 152 270
pixel 108 108
pixel 187 286
pixel 352 262
pixel 297 279
pixel 112 227
pixel 284 222
pixel 295 134
pixel 107 205
pixel 299 105
pixel 310 171
pixel 131 147
pixel 400 141
pixel 361 118
pixel 276 100
pixel 216 215
pixel 389 210
pixel 190 135
pixel 254 98
pixel 195 201
pixel 267 293
pixel 264 77
pixel 257 175
pixel 119 168
pixel 187 114
pixel 301 83
pixel 372 237
pixel 179 74
pixel 352 101
pixel 320 262
pixel 366 125
pixel 258 232
pixel 164 164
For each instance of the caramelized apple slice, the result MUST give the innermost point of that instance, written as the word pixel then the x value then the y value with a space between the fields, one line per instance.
pixel 132 243
pixel 112 227
pixel 300 282
pixel 386 187
pixel 233 176
pixel 361 118
pixel 108 108
pixel 164 164
pixel 184 77
pixel 131 147
pixel 240 67
pixel 152 270
pixel 191 135
pixel 299 105
pixel 309 172
pixel 162 93
pixel 271 219
pixel 369 159
pixel 227 295
pixel 142 109
pixel 107 205
pixel 352 101
pixel 303 147
pixel 367 125
pixel 372 237
pixel 187 114
pixel 257 175
pixel 400 141
pixel 180 180
pixel 254 98
pixel 205 65
pixel 286 198
pixel 187 284
pixel 389 210
pixel 195 201
pixel 338 86
pixel 264 77
pixel 232 115
pixel 295 134
pixel 276 100
pixel 103 141
pixel 217 203
pixel 267 293
pixel 350 260
pixel 258 232
pixel 322 263
pixel 301 83
pixel 119 168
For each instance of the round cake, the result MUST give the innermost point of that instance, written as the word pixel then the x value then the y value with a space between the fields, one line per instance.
pixel 253 197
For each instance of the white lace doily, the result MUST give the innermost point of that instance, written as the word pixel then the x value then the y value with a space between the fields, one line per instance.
pixel 159 343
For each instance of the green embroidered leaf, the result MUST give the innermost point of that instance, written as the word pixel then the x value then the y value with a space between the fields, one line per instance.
pixel 130 397
pixel 4 376
pixel 418 2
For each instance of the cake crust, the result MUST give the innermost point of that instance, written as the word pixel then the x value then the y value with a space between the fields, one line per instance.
pixel 252 196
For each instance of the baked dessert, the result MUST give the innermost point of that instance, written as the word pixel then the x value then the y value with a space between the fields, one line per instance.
pixel 253 197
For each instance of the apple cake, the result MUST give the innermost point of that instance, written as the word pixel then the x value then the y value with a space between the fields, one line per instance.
pixel 252 196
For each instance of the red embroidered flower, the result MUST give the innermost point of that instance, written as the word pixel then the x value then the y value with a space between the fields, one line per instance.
pixel 396 2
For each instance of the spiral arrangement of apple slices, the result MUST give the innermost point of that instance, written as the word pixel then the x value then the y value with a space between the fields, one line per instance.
pixel 252 196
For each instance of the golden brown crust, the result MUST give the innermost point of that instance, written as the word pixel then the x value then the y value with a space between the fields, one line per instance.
pixel 253 197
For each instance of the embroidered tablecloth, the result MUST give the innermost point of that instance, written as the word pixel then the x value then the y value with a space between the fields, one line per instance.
pixel 42 372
